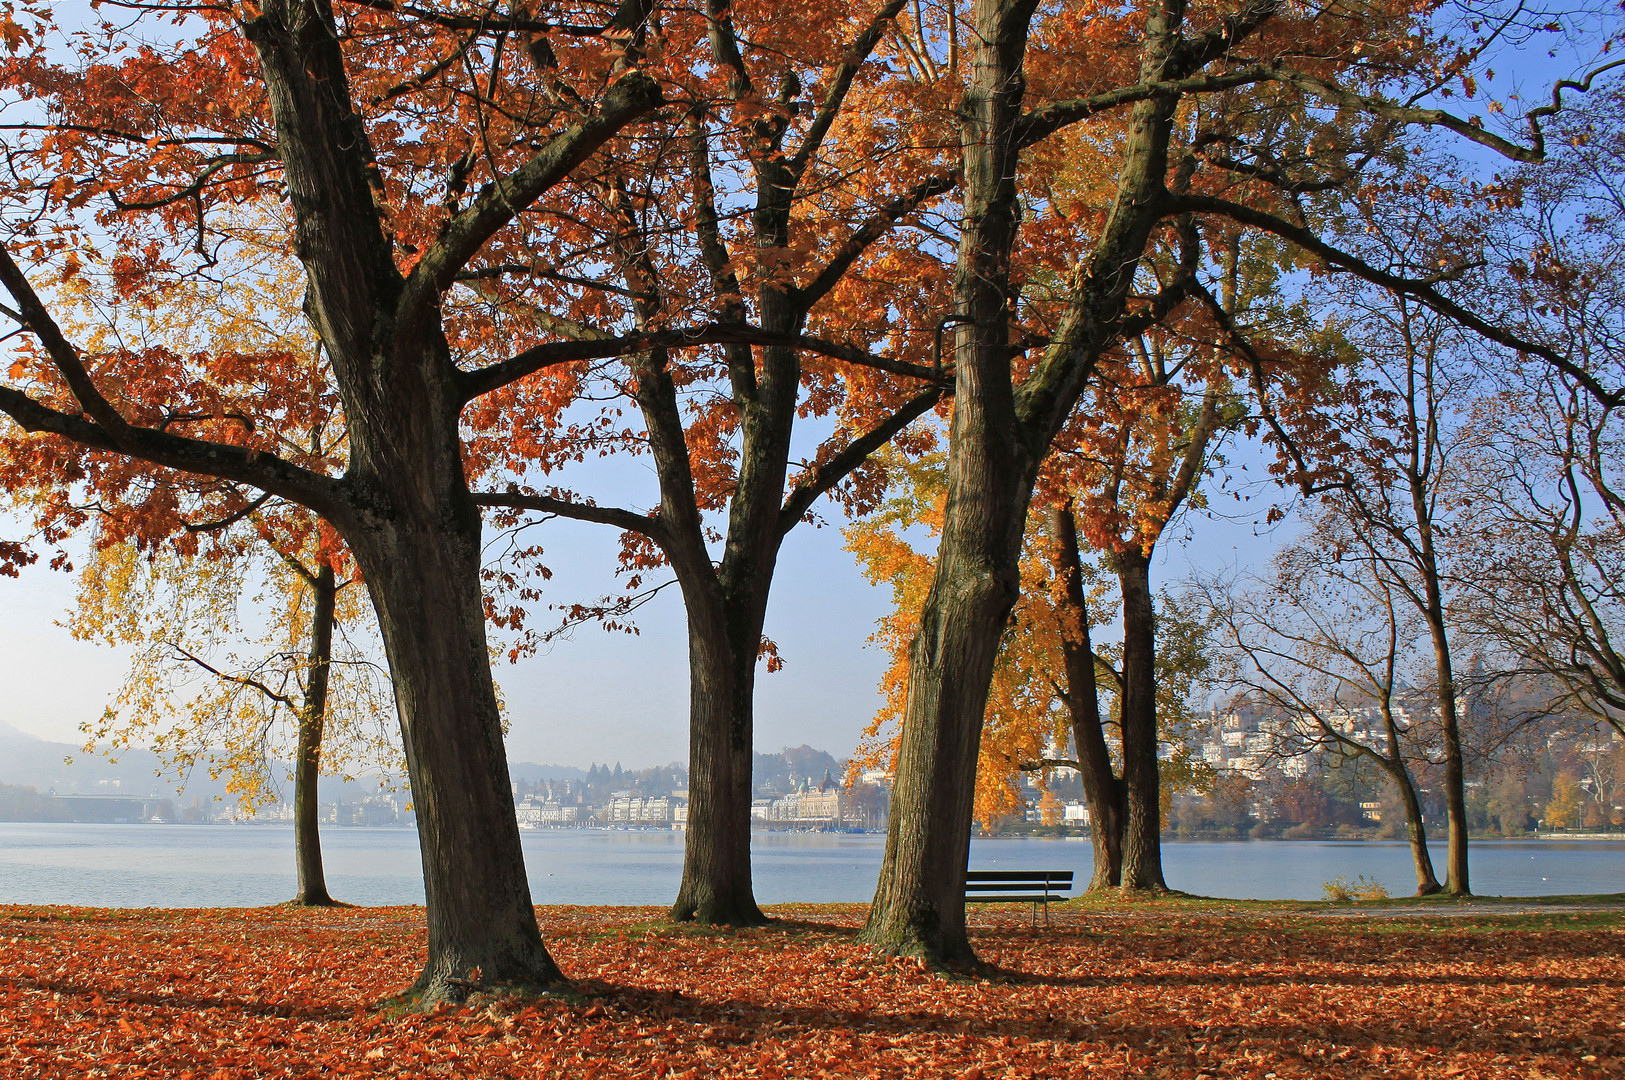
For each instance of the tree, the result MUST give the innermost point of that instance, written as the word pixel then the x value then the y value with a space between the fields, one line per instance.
pixel 719 426
pixel 294 98
pixel 179 612
pixel 170 558
pixel 1165 62
pixel 1542 527
pixel 1132 462
pixel 1023 717
pixel 1323 642
pixel 1052 682
pixel 1567 808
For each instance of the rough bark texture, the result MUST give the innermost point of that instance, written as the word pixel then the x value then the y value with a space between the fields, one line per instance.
pixel 919 906
pixel 716 888
pixel 307 836
pixel 404 506
pixel 1456 881
pixel 1142 824
pixel 1102 790
pixel 425 588
pixel 998 437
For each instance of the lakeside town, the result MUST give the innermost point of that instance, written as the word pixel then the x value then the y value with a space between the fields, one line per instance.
pixel 1250 773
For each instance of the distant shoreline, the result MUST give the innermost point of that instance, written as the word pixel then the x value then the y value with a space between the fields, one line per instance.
pixel 1043 833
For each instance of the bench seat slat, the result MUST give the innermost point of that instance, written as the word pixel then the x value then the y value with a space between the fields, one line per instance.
pixel 1051 899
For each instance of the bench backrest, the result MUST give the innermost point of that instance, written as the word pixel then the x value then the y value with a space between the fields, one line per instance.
pixel 1035 881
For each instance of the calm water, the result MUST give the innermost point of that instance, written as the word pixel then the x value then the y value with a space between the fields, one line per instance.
pixel 226 865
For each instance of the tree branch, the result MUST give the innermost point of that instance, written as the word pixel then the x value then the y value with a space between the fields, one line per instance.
pixel 1196 53
pixel 240 680
pixel 634 96
pixel 32 314
pixel 1049 763
pixel 1408 114
pixel 230 519
pixel 487 21
pixel 495 376
pixel 1421 290
pixel 104 428
pixel 201 181
pixel 826 476
pixel 240 463
pixel 629 520
pixel 1041 123
pixel 871 230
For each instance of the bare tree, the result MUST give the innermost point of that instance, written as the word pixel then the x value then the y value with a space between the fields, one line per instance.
pixel 1325 640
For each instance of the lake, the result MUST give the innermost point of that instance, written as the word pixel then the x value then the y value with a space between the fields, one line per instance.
pixel 247 865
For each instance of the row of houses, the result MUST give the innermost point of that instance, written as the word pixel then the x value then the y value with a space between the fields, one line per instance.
pixel 826 806
pixel 623 808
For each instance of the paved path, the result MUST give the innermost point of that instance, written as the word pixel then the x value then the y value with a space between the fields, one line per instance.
pixel 1457 911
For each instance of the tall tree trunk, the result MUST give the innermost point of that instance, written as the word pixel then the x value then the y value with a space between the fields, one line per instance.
pixel 1142 826
pixel 1102 790
pixel 919 906
pixel 1456 881
pixel 307 839
pixel 423 571
pixel 716 887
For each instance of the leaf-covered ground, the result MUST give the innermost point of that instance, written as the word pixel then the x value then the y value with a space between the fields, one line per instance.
pixel 1157 991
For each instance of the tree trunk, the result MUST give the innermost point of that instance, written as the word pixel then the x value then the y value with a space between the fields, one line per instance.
pixel 1456 881
pixel 716 888
pixel 1101 788
pixel 423 571
pixel 1142 826
pixel 1455 781
pixel 307 838
pixel 1426 883
pixel 1103 792
pixel 727 606
pixel 919 906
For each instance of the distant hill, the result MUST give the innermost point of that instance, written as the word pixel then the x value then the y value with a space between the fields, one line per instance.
pixel 528 772
pixel 785 770
pixel 65 769
pixel 30 761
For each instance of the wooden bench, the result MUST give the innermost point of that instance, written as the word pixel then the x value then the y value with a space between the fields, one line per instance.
pixel 1040 888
